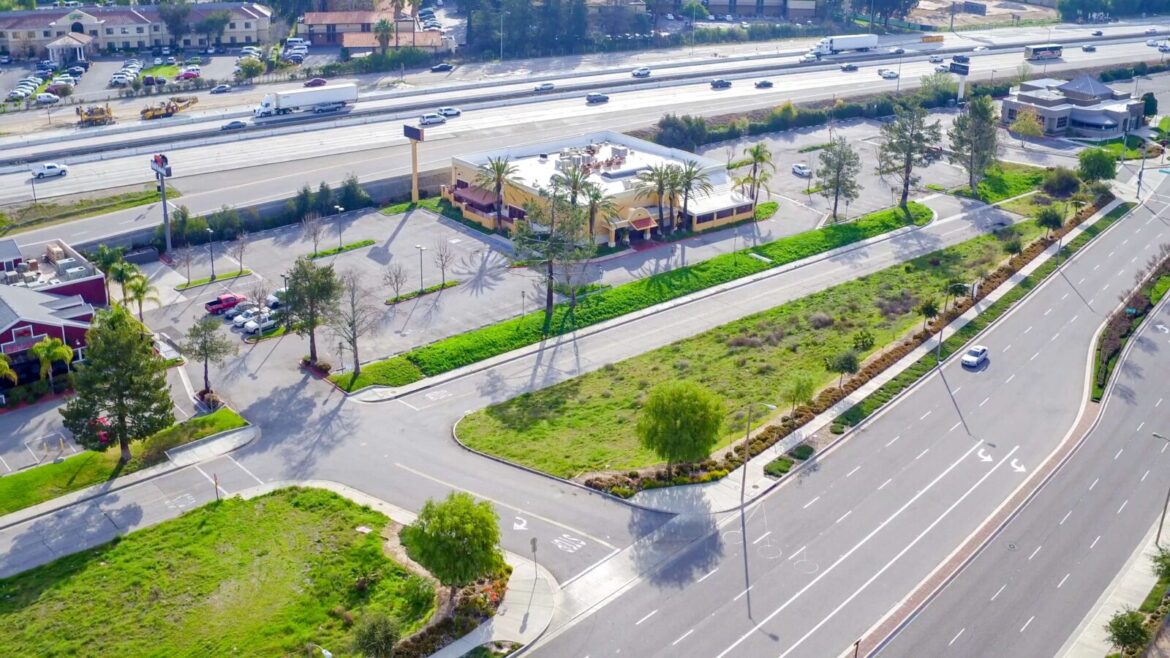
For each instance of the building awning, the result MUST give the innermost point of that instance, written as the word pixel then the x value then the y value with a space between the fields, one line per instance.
pixel 643 223
pixel 718 200
pixel 1094 120
pixel 476 195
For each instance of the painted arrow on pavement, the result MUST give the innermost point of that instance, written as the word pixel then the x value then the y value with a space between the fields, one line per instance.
pixel 1017 467
pixel 983 456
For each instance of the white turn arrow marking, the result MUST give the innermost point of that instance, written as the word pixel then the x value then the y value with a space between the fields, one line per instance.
pixel 983 456
pixel 1162 328
pixel 520 523
pixel 1017 467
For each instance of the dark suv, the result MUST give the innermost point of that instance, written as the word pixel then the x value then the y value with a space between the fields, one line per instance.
pixel 720 83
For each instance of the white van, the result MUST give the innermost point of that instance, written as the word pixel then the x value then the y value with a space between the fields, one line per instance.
pixel 295 41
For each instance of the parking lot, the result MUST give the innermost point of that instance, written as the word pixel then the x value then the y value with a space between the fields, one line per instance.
pixel 31 436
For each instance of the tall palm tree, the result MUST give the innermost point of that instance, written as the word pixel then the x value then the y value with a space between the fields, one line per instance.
pixel 652 183
pixel 48 352
pixel 492 175
pixel 6 371
pixel 382 31
pixel 673 190
pixel 122 272
pixel 141 291
pixel 573 180
pixel 104 258
pixel 600 205
pixel 691 181
pixel 760 182
pixel 760 159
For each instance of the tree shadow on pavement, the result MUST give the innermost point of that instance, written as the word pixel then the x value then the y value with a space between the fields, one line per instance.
pixel 682 550
pixel 481 271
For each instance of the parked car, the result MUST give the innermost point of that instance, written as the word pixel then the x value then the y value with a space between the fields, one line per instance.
pixel 221 89
pixel 158 61
pixel 5 59
pixel 595 98
pixel 47 99
pixel 187 75
pixel 316 82
pixel 232 312
pixel 449 111
pixel 171 61
pixel 431 119
pixel 802 170
pixel 442 67
pixel 544 87
pixel 234 125
pixel 935 59
pixel 274 300
pixel 720 83
pixel 248 315
pixel 641 72
pixel 975 357
pixel 763 84
pixel 224 302
pixel 77 71
pixel 49 169
pixel 59 88
pixel 848 67
pixel 261 324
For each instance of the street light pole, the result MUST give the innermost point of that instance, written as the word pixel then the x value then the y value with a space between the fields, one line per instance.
pixel 339 210
pixel 211 249
pixel 421 249
pixel 1162 520
pixel 747 434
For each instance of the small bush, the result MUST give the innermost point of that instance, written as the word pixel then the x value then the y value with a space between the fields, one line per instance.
pixel 802 451
pixel 820 320
pixel 778 467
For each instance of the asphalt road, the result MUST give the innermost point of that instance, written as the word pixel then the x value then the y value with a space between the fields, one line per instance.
pixel 1031 586
pixel 829 553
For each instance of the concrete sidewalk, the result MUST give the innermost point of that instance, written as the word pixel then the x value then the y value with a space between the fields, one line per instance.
pixel 724 494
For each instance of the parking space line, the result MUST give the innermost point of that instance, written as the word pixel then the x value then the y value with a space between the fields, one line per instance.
pixel 245 469
pixel 5 464
pixel 212 480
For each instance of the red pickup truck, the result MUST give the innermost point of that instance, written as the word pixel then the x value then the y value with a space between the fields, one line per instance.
pixel 223 303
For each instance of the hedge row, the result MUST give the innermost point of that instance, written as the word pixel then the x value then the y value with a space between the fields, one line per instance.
pixel 1124 321
pixel 479 344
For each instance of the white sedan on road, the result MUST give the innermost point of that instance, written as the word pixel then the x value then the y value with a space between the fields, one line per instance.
pixel 975 357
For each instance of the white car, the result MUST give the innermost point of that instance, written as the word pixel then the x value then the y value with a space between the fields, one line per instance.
pixel 49 169
pixel 979 49
pixel 935 59
pixel 449 111
pixel 273 300
pixel 1151 42
pixel 260 324
pixel 232 312
pixel 431 119
pixel 544 87
pixel 47 99
pixel 641 72
pixel 247 316
pixel 158 61
pixel 888 74
pixel 1151 30
pixel 942 68
pixel 802 170
pixel 808 58
pixel 975 357
pixel 669 17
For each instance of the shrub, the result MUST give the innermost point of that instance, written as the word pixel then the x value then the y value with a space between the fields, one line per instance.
pixel 802 451
pixel 1060 182
pixel 820 320
pixel 778 467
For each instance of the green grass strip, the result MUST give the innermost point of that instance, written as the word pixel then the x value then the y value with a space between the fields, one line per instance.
pixel 765 210
pixel 928 362
pixel 419 293
pixel 275 332
pixel 219 277
pixel 342 249
pixel 438 206
pixel 48 481
pixel 479 344
pixel 38 214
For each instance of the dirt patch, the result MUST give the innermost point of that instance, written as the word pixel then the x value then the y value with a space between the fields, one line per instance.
pixel 938 12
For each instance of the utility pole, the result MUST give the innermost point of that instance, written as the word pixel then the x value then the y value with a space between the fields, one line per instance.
pixel 162 171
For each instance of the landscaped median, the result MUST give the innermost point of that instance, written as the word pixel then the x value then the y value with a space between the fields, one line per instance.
pixel 479 344
pixel 40 214
pixel 48 481
pixel 220 277
pixel 413 294
pixel 352 246
pixel 584 428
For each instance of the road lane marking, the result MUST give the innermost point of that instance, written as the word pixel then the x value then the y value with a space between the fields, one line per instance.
pixel 885 483
pixel 1095 482
pixel 1007 348
pixel 1064 297
pixel 1027 330
pixel 242 468
pixel 213 481
pixel 956 636
pixel 855 469
pixel 639 622
pixel 761 538
pixel 844 515
pixel 1140 426
pixel 1065 517
pixel 923 417
pixel 806 505
pixel 1082 280
pixel 1123 504
pixel 1164 445
pixel 1110 254
pixel 921 454
pixel 1094 542
pixel 1062 581
pixel 709 574
pixel 509 506
pixel 1120 272
pixel 682 637
pixel 1158 403
pixel 1034 356
pixel 409 405
pixel 790 557
pixel 1025 626
pixel 953 427
pixel 740 595
pixel 985 400
pixel 1096 267
pixel 1009 379
pixel 1034 553
pixel 1074 318
pixel 1144 476
pixel 1119 451
pixel 879 572
pixel 998 591
pixel 1048 311
pixel 1054 337
pixel 5 464
pixel 892 440
pixel 956 391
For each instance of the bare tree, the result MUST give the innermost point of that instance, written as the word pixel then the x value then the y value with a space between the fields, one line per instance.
pixel 395 276
pixel 260 291
pixel 444 256
pixel 238 246
pixel 183 258
pixel 313 229
pixel 355 316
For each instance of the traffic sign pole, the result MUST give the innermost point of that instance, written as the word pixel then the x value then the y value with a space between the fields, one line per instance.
pixel 162 169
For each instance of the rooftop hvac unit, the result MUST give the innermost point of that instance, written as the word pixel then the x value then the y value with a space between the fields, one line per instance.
pixel 620 151
pixel 54 253
pixel 66 263
pixel 33 264
pixel 11 277
pixel 22 267
pixel 75 273
pixel 29 277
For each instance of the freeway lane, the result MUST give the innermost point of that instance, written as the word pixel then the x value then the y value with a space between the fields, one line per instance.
pixel 1035 581
pixel 263 169
pixel 830 552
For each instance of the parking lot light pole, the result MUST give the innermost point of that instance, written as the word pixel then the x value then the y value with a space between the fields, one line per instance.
pixel 211 248
pixel 421 249
pixel 339 210
pixel 1162 520
pixel 747 434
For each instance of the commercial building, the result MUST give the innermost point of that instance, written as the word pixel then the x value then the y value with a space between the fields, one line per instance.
pixel 612 162
pixel 75 33
pixel 355 30
pixel 53 268
pixel 1083 107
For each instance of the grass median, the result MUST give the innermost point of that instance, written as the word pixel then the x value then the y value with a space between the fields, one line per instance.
pixel 586 424
pixel 219 277
pixel 1004 181
pixel 479 344
pixel 342 249
pixel 40 214
pixel 259 577
pixel 48 481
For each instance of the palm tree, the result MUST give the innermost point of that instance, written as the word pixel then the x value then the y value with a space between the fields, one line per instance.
pixel 122 272
pixel 573 180
pixel 692 180
pixel 673 190
pixel 760 158
pixel 928 310
pixel 652 182
pixel 600 205
pixel 760 183
pixel 48 352
pixel 492 175
pixel 104 258
pixel 140 290
pixel 6 371
pixel 382 31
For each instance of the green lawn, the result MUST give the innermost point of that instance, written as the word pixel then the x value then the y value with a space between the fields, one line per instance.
pixel 40 214
pixel 1006 180
pixel 407 296
pixel 479 344
pixel 259 577
pixel 218 277
pixel 36 485
pixel 1164 125
pixel 587 424
pixel 168 71
pixel 1030 205
pixel 1133 146
pixel 342 249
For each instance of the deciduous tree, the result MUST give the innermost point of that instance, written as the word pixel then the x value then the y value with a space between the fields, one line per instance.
pixel 975 139
pixel 845 363
pixel 906 144
pixel 444 257
pixel 457 540
pixel 1027 124
pixel 680 422
pixel 395 276
pixel 838 173
pixel 174 15
pixel 122 381
pixel 1127 630
pixel 1049 219
pixel 355 315
pixel 312 295
pixel 1096 164
pixel 313 229
pixel 238 247
pixel 206 342
pixel 799 389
